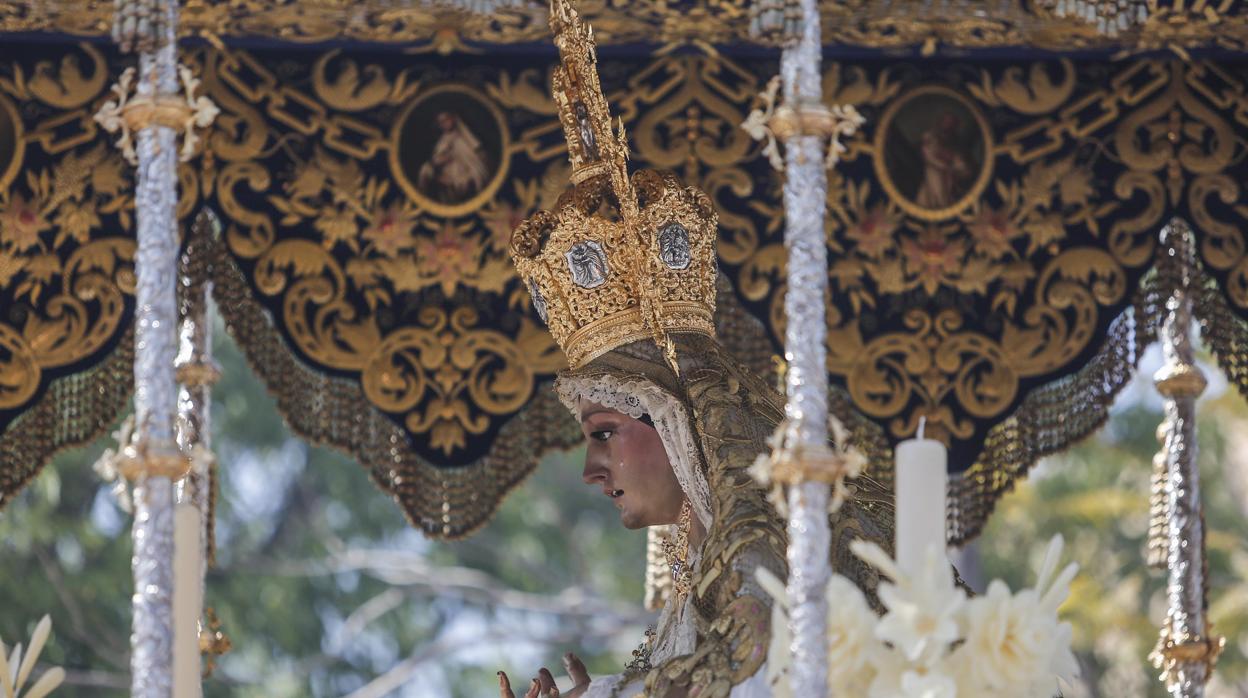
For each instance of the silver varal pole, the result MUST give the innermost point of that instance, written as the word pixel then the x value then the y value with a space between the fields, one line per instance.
pixel 806 379
pixel 156 454
pixel 1185 651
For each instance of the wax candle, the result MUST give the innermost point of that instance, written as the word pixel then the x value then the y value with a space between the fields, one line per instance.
pixel 920 480
pixel 187 600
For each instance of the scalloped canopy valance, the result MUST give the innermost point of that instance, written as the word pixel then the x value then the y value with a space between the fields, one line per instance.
pixel 992 233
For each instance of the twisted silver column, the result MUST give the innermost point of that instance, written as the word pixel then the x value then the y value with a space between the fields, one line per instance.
pixel 806 379
pixel 155 392
pixel 1184 652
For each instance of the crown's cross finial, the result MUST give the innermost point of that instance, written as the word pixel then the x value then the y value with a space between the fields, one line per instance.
pixel 582 106
pixel 622 258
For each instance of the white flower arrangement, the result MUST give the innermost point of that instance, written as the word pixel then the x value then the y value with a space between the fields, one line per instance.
pixel 15 669
pixel 933 641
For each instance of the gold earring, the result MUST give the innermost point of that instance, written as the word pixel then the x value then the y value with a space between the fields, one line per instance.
pixel 677 552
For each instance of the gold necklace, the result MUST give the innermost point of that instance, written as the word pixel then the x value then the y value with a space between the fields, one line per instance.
pixel 677 553
pixel 641 655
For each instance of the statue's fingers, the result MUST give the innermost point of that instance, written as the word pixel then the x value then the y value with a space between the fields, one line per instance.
pixel 576 669
pixel 547 680
pixel 504 686
pixel 534 690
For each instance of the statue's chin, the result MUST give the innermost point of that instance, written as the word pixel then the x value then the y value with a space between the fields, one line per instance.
pixel 631 521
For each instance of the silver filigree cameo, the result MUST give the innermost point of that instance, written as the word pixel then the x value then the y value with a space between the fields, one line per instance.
pixel 539 302
pixel 589 145
pixel 588 264
pixel 674 246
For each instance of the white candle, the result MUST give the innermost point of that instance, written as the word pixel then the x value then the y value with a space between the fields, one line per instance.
pixel 187 600
pixel 920 480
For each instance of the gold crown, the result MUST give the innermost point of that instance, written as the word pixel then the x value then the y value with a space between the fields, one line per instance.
pixel 620 258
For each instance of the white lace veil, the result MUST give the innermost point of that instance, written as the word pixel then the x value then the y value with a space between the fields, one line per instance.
pixel 635 397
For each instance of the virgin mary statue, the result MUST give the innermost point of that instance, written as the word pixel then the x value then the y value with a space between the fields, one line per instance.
pixel 673 422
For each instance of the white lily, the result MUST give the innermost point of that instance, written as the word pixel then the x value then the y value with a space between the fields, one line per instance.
pixel 923 611
pixel 1015 644
pixel 932 642
pixel 778 652
pixel 1053 593
pixel 927 685
pixel 16 669
pixel 851 648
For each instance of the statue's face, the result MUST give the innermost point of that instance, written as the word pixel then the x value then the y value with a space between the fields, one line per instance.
pixel 625 458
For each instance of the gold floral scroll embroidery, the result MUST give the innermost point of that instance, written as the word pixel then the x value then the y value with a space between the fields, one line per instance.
pixel 66 260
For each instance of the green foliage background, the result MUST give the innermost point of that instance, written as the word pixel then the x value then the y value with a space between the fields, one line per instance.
pixel 1096 496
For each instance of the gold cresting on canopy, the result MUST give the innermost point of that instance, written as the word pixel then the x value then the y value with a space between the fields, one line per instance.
pixel 449 25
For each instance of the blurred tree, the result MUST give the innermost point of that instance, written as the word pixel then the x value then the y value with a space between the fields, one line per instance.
pixel 1096 496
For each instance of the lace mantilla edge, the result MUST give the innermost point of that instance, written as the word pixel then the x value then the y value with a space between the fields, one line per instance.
pixel 635 397
pixel 445 503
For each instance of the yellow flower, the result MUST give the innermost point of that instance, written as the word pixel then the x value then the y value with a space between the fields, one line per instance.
pixel 874 230
pixel 108 177
pixel 928 685
pixel 448 258
pixel 338 226
pixel 21 222
pixel 391 230
pixel 1076 187
pixel 932 258
pixel 1011 642
pixel 308 184
pixel 992 231
pixel 779 656
pixel 76 221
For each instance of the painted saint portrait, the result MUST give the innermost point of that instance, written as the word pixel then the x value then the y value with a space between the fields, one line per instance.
pixel 456 169
pixel 448 150
pixel 932 153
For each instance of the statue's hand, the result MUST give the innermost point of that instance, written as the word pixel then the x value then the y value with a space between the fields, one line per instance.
pixel 543 685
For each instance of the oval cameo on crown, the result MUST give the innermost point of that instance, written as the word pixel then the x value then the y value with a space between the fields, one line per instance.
pixel 674 246
pixel 588 263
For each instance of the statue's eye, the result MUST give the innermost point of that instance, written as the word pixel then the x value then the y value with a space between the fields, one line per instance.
pixel 601 434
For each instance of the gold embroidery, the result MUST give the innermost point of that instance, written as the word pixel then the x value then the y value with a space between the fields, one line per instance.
pixel 445 29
